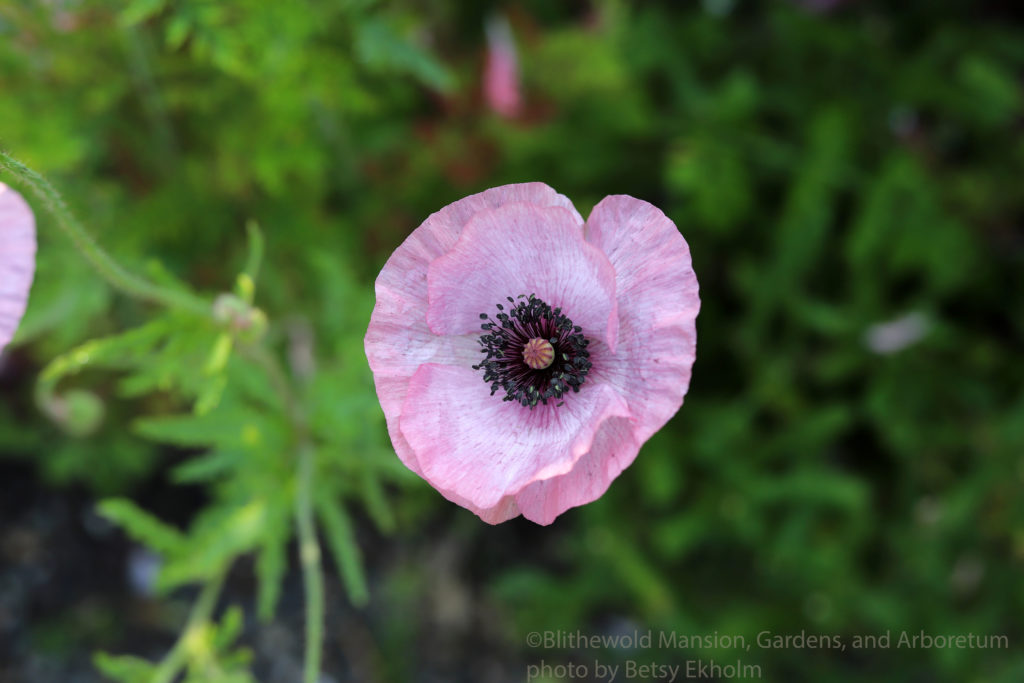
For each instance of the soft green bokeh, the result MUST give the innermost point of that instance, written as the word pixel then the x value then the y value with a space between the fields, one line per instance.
pixel 830 171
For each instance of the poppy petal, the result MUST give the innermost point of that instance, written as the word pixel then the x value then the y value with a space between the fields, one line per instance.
pixel 398 339
pixel 17 260
pixel 518 249
pixel 481 448
pixel 658 305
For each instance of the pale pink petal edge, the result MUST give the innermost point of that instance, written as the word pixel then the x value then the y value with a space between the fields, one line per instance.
pixel 483 449
pixel 658 305
pixel 17 260
pixel 612 450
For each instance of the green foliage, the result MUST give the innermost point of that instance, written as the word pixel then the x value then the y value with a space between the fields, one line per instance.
pixel 206 385
pixel 125 668
pixel 831 171
pixel 206 652
pixel 347 556
pixel 142 526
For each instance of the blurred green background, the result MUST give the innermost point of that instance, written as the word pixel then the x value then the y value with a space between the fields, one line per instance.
pixel 850 455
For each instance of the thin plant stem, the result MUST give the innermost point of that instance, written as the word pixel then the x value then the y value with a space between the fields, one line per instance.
pixel 309 547
pixel 312 575
pixel 202 611
pixel 106 266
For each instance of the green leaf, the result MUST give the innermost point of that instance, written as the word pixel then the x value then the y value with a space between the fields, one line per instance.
pixel 379 45
pixel 271 566
pixel 207 467
pixel 247 280
pixel 138 11
pixel 141 525
pixel 234 429
pixel 994 91
pixel 230 628
pixel 344 549
pixel 219 355
pixel 178 31
pixel 117 350
pixel 376 502
pixel 272 560
pixel 210 395
pixel 218 536
pixel 124 668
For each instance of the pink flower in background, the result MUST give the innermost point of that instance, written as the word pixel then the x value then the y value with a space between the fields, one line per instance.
pixel 501 73
pixel 522 356
pixel 17 260
pixel 895 335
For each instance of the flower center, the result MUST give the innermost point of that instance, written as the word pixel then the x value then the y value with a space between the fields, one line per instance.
pixel 538 353
pixel 534 352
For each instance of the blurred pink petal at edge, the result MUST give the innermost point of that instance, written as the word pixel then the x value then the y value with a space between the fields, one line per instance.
pixel 17 260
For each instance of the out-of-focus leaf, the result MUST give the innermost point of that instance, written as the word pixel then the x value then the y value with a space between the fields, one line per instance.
pixel 380 46
pixel 142 526
pixel 344 548
pixel 215 539
pixel 124 668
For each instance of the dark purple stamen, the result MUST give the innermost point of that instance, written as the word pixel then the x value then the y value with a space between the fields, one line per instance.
pixel 505 341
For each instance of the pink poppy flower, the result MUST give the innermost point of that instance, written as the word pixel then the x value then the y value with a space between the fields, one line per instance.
pixel 17 260
pixel 522 356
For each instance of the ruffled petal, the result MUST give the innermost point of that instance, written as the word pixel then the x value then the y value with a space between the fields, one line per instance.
pixel 658 305
pixel 482 449
pixel 613 450
pixel 17 260
pixel 502 511
pixel 522 249
pixel 398 339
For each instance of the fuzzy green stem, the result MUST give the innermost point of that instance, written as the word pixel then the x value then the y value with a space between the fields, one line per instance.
pixel 106 266
pixel 201 613
pixel 309 555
